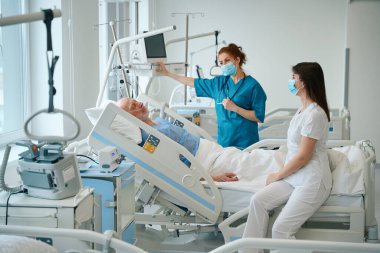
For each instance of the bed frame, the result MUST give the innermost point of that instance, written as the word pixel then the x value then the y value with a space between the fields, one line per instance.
pixel 298 246
pixel 276 124
pixel 106 241
pixel 352 224
pixel 162 170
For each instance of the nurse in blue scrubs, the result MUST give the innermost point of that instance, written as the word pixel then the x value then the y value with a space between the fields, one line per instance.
pixel 239 98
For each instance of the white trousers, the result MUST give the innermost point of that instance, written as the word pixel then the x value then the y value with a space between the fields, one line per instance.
pixel 301 203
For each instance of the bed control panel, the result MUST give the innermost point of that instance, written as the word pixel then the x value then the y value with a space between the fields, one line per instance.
pixel 178 123
pixel 151 144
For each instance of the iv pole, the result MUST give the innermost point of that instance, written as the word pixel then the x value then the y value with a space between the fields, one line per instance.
pixel 187 44
pixel 112 25
pixel 126 86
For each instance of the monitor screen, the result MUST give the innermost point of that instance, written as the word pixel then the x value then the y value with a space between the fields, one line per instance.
pixel 155 46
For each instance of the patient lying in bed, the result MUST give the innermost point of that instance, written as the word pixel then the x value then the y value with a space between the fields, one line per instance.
pixel 224 164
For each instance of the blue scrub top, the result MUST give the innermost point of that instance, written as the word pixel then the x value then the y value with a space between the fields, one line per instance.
pixel 233 129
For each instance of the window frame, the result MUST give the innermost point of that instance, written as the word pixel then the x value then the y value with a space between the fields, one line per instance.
pixel 17 134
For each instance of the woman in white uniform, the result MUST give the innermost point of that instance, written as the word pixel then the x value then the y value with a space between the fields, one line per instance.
pixel 304 183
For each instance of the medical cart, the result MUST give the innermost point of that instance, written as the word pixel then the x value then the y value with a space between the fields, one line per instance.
pixel 117 198
pixel 74 212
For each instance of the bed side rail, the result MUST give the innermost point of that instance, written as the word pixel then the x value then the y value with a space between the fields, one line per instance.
pixel 277 122
pixel 160 163
pixel 106 239
pixel 188 125
pixel 369 181
pixel 232 228
pixel 175 118
pixel 267 144
pixel 157 106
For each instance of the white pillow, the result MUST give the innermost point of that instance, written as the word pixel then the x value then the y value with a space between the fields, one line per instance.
pixel 347 180
pixel 126 129
pixel 119 124
pixel 93 114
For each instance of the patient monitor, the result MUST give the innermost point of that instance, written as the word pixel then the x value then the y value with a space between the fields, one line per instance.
pixel 154 46
pixel 147 53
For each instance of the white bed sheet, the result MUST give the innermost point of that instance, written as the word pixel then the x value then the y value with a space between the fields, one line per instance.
pixel 252 168
pixel 236 200
pixel 346 163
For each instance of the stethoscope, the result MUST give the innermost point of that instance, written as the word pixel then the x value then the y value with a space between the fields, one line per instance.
pixel 225 87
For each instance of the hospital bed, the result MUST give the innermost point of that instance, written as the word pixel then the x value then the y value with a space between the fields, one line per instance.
pixel 162 110
pixel 21 239
pixel 346 215
pixel 296 246
pixel 190 197
pixel 276 124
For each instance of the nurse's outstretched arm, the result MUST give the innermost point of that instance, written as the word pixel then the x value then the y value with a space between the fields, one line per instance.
pixel 303 156
pixel 182 79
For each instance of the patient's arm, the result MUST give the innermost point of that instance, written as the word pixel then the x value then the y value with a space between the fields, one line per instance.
pixel 226 177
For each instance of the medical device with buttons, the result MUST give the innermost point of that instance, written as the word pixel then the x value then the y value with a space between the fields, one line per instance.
pixel 147 53
pixel 45 171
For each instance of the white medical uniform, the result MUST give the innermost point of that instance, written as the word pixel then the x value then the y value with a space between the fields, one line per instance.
pixel 304 191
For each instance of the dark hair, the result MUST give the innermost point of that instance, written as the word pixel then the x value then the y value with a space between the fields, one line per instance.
pixel 235 51
pixel 311 74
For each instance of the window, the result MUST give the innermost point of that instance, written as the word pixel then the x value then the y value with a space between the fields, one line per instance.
pixel 13 73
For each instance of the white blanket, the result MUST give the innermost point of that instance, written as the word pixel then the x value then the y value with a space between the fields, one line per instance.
pixel 252 168
pixel 18 244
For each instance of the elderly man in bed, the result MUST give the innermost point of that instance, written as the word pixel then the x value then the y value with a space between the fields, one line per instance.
pixel 224 164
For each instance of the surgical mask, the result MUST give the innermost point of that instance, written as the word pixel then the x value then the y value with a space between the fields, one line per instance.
pixel 229 69
pixel 292 88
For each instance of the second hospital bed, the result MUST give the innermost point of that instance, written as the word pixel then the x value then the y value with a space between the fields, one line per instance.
pixel 346 216
pixel 276 124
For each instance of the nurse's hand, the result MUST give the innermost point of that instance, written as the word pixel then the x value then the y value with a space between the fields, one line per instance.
pixel 273 177
pixel 226 177
pixel 229 105
pixel 162 69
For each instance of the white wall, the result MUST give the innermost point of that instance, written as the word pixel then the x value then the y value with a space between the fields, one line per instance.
pixel 274 34
pixel 363 40
pixel 80 60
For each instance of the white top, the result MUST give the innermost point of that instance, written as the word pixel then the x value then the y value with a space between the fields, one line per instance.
pixel 312 123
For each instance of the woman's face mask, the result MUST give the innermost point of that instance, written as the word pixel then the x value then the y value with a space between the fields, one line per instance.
pixel 229 69
pixel 292 88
